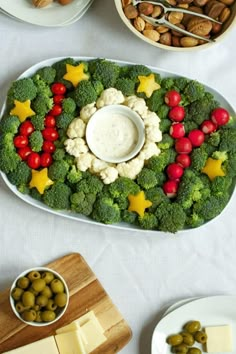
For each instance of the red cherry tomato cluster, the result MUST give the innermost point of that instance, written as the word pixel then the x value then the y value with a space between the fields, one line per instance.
pixel 185 144
pixel 50 134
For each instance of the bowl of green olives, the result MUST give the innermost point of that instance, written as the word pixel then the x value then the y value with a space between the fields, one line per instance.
pixel 39 296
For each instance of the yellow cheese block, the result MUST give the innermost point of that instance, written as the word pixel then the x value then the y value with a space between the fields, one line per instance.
pixel 73 326
pixel 90 316
pixel 219 339
pixel 70 343
pixel 93 335
pixel 43 346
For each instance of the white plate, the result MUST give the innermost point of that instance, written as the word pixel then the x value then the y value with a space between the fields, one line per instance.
pixel 210 311
pixel 177 304
pixel 52 16
pixel 75 216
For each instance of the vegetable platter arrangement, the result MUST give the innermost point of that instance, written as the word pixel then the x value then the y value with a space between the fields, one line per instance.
pixel 183 176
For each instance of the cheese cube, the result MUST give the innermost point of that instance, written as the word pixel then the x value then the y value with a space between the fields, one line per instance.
pixel 90 316
pixel 70 343
pixel 73 326
pixel 93 335
pixel 219 339
pixel 45 346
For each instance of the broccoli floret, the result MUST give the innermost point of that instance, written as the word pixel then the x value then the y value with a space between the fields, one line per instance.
pixel 156 101
pixel 134 71
pixel 35 194
pixel 214 139
pixel 126 86
pixel 166 142
pixel 165 124
pixel 122 202
pixel 47 74
pixel 148 221
pixel 220 155
pixel 98 87
pixel 129 216
pixel 8 159
pixel 42 87
pixel 68 105
pixel 58 170
pixel 59 143
pixel 9 124
pixel 201 108
pixel 221 184
pixel 194 220
pixel 22 90
pixel 171 217
pixel 230 165
pixel 57 196
pixel 198 159
pixel 147 178
pixel 156 196
pixel 74 175
pixel 91 184
pixel 190 125
pixel 180 83
pixel 63 120
pixel 21 175
pixel 189 189
pixel 38 121
pixel 227 140
pixel 36 141
pixel 60 67
pixel 105 71
pixel 106 211
pixel 208 148
pixel 168 83
pixel 59 154
pixel 122 187
pixel 85 93
pixel 42 104
pixel 69 159
pixel 193 91
pixel 211 207
pixel 158 163
pixel 162 113
pixel 82 203
pixel 6 141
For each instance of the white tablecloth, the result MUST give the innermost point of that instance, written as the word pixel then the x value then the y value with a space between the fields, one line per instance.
pixel 142 272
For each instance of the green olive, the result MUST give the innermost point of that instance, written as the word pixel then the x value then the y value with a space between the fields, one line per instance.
pixel 34 275
pixel 38 316
pixel 174 339
pixel 51 305
pixel 23 282
pixel 36 308
pixel 16 293
pixel 38 284
pixel 192 326
pixel 48 316
pixel 41 300
pixel 200 337
pixel 33 291
pixel 28 299
pixel 57 286
pixel 29 315
pixel 20 307
pixel 47 292
pixel 48 277
pixel 194 350
pixel 187 338
pixel 180 349
pixel 60 299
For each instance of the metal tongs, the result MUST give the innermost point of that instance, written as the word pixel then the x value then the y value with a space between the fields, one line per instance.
pixel 163 21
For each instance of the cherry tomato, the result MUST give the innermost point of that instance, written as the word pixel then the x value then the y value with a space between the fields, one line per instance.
pixel 58 88
pixel 50 121
pixel 33 160
pixel 172 98
pixel 177 130
pixel 26 128
pixel 196 137
pixel 208 126
pixel 170 188
pixel 177 113
pixel 48 146
pixel 220 116
pixel 24 152
pixel 183 160
pixel 174 171
pixel 183 145
pixel 50 134
pixel 20 141
pixel 45 159
pixel 57 99
pixel 56 110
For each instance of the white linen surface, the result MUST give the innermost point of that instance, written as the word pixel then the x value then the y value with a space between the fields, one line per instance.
pixel 142 272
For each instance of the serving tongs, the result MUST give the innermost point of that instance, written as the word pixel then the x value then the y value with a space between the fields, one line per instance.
pixel 163 21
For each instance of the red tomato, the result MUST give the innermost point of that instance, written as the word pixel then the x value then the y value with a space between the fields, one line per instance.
pixel 183 145
pixel 196 137
pixel 50 121
pixel 183 160
pixel 48 146
pixel 24 152
pixel 33 160
pixel 56 110
pixel 57 99
pixel 58 88
pixel 45 159
pixel 26 128
pixel 177 130
pixel 172 98
pixel 220 116
pixel 20 141
pixel 50 134
pixel 208 127
pixel 170 188
pixel 177 113
pixel 174 171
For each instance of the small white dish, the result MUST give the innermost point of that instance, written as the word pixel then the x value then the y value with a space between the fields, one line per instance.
pixel 115 133
pixel 61 311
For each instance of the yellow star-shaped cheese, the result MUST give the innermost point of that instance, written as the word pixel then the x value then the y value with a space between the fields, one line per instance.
pixel 75 74
pixel 148 85
pixel 213 168
pixel 22 110
pixel 40 180
pixel 138 203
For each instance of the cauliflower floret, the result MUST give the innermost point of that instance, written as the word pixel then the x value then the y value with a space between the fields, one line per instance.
pixel 149 149
pixel 98 165
pixel 130 169
pixel 76 129
pixel 110 96
pixel 153 134
pixel 137 104
pixel 87 112
pixel 151 118
pixel 109 175
pixel 84 161
pixel 76 146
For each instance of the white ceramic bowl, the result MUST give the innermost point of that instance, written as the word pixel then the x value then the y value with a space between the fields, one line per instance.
pixel 59 312
pixel 227 26
pixel 123 142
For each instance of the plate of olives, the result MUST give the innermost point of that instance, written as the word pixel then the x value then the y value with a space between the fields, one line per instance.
pixel 39 296
pixel 182 330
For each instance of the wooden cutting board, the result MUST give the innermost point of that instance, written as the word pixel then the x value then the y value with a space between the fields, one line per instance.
pixel 86 293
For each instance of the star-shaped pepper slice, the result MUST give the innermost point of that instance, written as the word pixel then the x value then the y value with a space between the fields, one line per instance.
pixel 22 110
pixel 40 180
pixel 75 74
pixel 148 85
pixel 213 168
pixel 138 203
